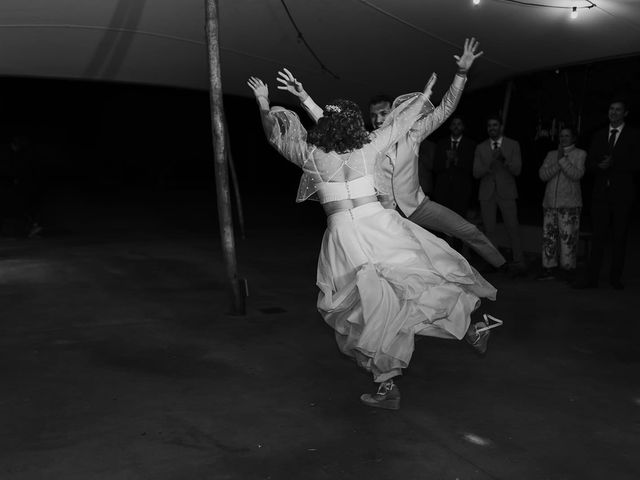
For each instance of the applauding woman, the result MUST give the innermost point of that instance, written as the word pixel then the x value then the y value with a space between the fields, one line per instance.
pixel 562 170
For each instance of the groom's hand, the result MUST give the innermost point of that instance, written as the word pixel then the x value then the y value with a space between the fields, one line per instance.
pixel 468 56
pixel 428 89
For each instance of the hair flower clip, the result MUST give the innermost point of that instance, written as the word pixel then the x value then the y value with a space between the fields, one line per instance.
pixel 332 108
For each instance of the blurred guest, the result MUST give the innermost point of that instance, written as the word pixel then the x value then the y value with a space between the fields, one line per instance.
pixel 562 170
pixel 426 172
pixel 453 166
pixel 614 158
pixel 496 163
pixel 7 190
pixel 27 187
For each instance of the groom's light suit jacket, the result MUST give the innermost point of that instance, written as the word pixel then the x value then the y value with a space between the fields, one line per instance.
pixel 402 159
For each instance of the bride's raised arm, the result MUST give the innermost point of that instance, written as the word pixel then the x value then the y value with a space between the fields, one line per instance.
pixel 281 126
pixel 290 84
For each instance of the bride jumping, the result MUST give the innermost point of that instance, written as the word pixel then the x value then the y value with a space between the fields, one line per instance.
pixel 382 279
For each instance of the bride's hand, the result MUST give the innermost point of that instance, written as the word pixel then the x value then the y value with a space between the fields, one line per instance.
pixel 428 89
pixel 260 89
pixel 289 83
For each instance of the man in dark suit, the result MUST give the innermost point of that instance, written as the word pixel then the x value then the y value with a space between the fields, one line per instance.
pixel 614 159
pixel 425 166
pixel 453 165
pixel 496 163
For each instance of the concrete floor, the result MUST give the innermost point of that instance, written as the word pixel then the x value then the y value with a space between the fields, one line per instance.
pixel 118 361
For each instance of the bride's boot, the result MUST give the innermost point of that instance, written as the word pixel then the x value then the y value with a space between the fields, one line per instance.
pixel 387 396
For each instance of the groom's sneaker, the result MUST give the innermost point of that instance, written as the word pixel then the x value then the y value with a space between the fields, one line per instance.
pixel 387 396
pixel 478 340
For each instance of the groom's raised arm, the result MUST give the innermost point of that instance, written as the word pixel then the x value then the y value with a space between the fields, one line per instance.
pixel 426 125
pixel 429 123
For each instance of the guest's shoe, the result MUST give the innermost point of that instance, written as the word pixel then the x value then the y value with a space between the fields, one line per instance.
pixel 35 231
pixel 617 285
pixel 566 275
pixel 583 284
pixel 478 340
pixel 546 274
pixel 387 396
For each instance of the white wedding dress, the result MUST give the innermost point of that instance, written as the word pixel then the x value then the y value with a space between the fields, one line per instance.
pixel 382 278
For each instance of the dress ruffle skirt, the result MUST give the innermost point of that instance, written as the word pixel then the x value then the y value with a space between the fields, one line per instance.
pixel 383 279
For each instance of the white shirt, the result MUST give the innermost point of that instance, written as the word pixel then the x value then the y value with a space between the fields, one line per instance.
pixel 493 142
pixel 619 129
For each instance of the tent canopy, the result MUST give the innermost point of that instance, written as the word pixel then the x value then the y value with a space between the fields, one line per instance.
pixel 372 46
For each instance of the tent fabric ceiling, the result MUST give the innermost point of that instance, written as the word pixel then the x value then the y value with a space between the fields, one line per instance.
pixel 372 45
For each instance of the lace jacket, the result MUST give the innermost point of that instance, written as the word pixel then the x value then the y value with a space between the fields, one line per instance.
pixel 287 135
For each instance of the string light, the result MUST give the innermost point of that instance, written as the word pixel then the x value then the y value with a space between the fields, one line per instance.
pixel 304 41
pixel 574 9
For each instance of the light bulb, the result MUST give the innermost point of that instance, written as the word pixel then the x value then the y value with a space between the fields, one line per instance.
pixel 476 2
pixel 574 12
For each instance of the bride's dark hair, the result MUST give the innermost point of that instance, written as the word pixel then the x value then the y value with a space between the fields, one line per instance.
pixel 341 129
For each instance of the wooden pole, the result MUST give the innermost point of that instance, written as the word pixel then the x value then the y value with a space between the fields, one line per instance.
pixel 236 185
pixel 582 96
pixel 221 164
pixel 505 105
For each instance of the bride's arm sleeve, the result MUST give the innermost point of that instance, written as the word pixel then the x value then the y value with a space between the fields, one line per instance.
pixel 286 134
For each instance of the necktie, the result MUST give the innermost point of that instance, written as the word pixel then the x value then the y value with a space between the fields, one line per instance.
pixel 454 144
pixel 612 139
pixel 495 145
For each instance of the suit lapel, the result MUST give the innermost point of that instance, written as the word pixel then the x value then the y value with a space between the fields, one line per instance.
pixel 506 146
pixel 621 138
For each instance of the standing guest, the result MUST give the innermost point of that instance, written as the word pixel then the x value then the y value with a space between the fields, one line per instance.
pixel 426 158
pixel 497 163
pixel 8 180
pixel 454 169
pixel 562 170
pixel 28 187
pixel 614 158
